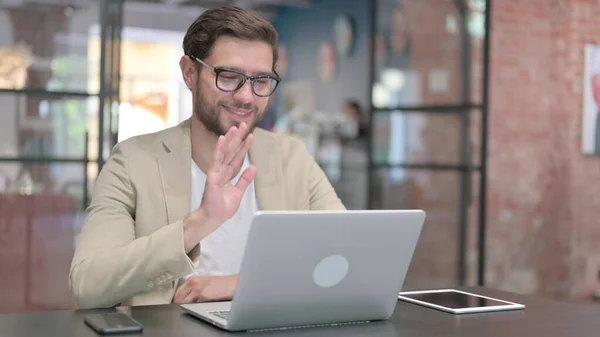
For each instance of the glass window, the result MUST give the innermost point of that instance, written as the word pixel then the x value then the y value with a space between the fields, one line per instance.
pixel 436 258
pixel 425 138
pixel 420 56
pixel 49 67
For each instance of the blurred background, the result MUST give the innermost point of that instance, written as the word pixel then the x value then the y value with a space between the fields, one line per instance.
pixel 483 113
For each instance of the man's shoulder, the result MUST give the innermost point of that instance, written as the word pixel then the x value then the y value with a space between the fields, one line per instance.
pixel 148 143
pixel 284 144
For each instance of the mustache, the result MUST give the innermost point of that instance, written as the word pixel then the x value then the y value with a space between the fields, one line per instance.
pixel 247 106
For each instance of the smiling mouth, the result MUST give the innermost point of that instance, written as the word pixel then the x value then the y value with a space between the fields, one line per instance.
pixel 238 112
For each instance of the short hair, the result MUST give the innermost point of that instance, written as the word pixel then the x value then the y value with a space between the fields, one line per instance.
pixel 232 21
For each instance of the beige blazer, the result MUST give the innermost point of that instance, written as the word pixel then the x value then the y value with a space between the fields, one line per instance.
pixel 130 250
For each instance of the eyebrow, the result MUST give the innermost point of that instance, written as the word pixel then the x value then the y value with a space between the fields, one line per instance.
pixel 259 73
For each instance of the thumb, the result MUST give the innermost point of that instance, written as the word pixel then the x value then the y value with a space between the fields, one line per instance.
pixel 246 178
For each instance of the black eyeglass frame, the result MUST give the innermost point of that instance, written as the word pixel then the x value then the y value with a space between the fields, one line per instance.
pixel 245 78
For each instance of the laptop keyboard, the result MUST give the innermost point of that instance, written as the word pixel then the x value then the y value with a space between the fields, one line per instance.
pixel 221 314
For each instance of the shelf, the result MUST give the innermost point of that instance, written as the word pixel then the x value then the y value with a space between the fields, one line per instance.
pixel 43 160
pixel 458 108
pixel 44 92
pixel 344 166
pixel 427 166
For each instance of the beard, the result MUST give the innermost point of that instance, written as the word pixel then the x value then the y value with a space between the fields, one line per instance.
pixel 209 114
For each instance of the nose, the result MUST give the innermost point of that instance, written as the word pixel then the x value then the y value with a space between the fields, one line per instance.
pixel 244 94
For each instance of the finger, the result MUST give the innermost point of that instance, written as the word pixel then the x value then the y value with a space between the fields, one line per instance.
pixel 219 155
pixel 191 298
pixel 235 143
pixel 196 285
pixel 229 136
pixel 215 172
pixel 243 150
pixel 182 292
pixel 239 157
pixel 246 178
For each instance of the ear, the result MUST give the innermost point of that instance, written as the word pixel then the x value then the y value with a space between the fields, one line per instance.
pixel 189 71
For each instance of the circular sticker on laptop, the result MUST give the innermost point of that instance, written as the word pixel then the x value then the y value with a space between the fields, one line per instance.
pixel 330 271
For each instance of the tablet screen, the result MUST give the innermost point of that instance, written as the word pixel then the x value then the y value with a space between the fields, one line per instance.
pixel 455 300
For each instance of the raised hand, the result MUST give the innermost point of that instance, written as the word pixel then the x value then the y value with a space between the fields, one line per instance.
pixel 221 197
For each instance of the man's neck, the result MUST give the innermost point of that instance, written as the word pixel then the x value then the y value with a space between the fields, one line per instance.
pixel 203 145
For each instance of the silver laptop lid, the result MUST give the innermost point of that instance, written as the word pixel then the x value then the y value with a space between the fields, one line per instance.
pixel 320 267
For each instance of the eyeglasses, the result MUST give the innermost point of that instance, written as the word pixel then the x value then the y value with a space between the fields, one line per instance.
pixel 229 80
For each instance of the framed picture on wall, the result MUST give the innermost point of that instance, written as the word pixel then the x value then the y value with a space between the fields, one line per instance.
pixel 591 101
pixel 343 31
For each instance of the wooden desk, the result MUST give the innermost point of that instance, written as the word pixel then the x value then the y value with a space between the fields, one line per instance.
pixel 541 318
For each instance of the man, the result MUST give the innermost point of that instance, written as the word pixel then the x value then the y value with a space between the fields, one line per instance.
pixel 170 212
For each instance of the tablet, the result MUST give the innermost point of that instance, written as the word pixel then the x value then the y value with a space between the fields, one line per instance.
pixel 457 302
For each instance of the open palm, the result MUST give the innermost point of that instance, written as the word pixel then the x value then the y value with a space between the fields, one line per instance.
pixel 221 197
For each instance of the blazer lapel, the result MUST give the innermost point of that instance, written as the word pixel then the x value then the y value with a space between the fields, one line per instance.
pixel 175 166
pixel 269 175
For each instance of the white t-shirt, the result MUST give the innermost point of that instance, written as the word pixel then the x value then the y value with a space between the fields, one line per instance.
pixel 221 252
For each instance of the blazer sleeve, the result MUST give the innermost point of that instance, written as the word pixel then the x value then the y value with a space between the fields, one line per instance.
pixel 322 196
pixel 110 264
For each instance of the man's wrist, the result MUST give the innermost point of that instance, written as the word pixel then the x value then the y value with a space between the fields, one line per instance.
pixel 233 281
pixel 196 226
pixel 228 287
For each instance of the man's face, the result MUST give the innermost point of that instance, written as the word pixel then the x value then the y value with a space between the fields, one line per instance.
pixel 219 110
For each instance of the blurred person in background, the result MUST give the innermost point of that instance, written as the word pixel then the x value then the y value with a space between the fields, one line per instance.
pixel 353 110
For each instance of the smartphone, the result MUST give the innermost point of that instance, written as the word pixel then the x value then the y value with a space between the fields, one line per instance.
pixel 112 323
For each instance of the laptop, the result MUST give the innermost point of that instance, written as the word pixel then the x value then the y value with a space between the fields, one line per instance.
pixel 318 268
